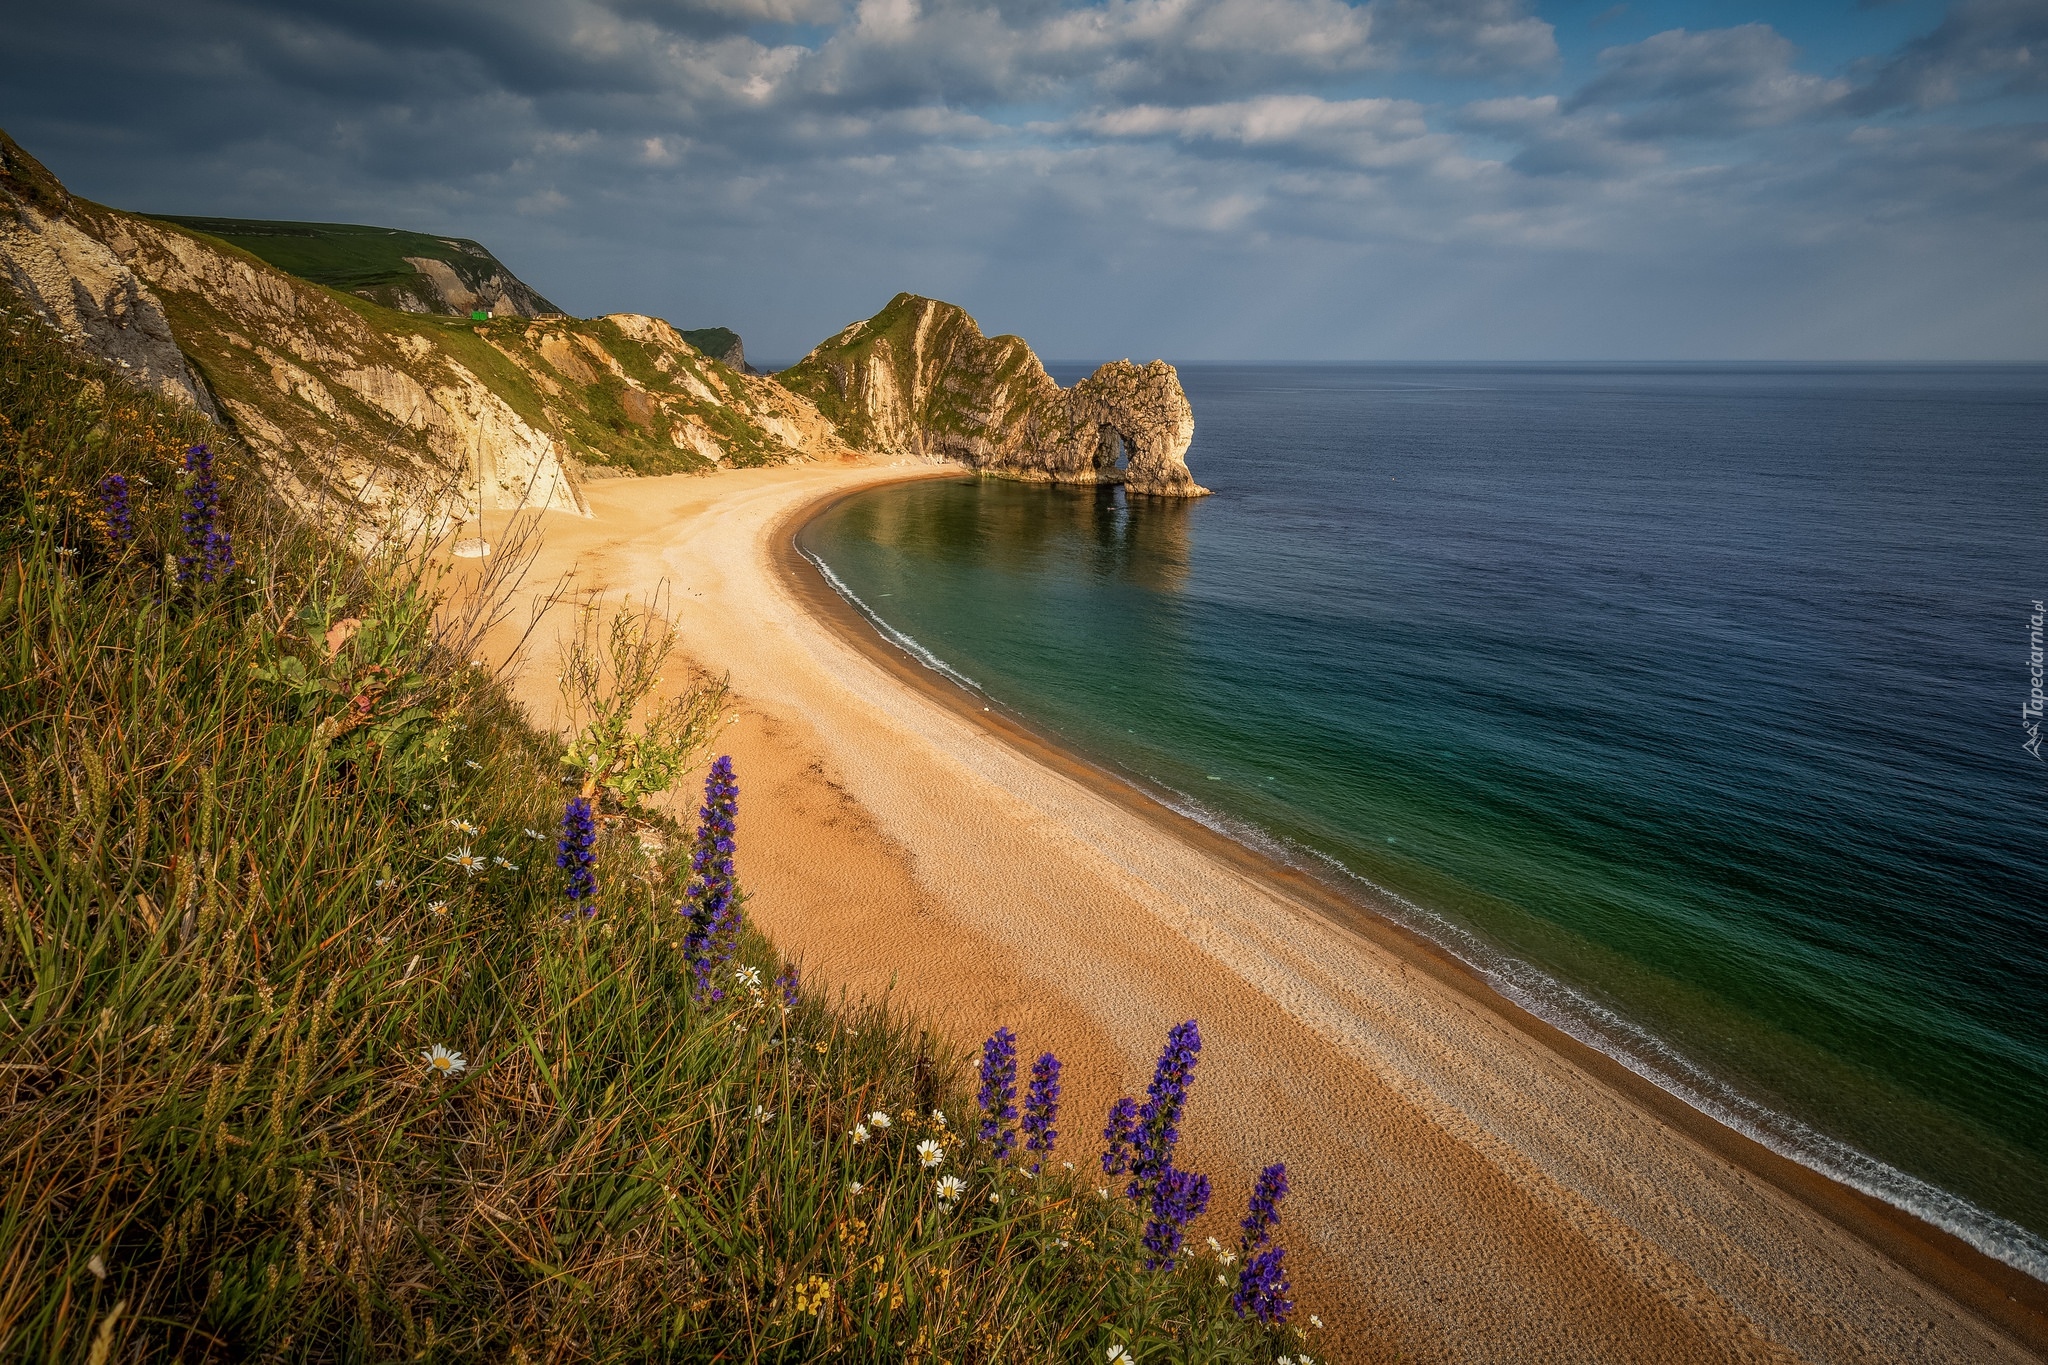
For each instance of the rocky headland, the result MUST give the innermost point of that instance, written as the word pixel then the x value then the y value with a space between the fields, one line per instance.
pixel 366 394
pixel 920 378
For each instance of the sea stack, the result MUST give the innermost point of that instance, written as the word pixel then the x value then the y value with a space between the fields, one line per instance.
pixel 919 378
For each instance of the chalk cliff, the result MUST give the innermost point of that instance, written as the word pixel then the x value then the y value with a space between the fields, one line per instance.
pixel 363 411
pixel 920 378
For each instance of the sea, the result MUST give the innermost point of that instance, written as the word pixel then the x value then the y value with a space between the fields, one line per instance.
pixel 1686 703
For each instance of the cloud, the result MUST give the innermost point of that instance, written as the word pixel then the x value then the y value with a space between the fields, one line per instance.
pixel 1091 173
pixel 1710 83
pixel 1981 48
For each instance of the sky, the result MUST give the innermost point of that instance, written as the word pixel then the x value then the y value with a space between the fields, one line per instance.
pixel 1272 180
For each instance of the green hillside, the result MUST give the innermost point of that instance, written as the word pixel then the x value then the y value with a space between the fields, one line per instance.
pixel 364 260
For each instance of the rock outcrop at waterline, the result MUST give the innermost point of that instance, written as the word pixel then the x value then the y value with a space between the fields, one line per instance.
pixel 919 378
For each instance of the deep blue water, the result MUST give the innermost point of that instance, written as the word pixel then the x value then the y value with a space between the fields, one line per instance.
pixel 1685 701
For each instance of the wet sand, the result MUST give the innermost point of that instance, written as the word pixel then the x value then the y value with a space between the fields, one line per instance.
pixel 1469 1184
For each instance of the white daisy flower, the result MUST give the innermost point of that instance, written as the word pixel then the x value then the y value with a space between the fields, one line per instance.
pixel 464 827
pixel 750 977
pixel 1215 1247
pixel 1119 1356
pixel 879 1119
pixel 441 1062
pixel 1315 1322
pixel 1062 1243
pixel 471 863
pixel 939 1117
pixel 763 1115
pixel 496 861
pixel 437 908
pixel 1101 1192
pixel 1068 1164
pixel 533 834
pixel 384 883
pixel 1223 1279
pixel 951 1186
pixel 929 1153
pixel 994 1198
pixel 860 1132
pixel 854 1187
pixel 1226 1258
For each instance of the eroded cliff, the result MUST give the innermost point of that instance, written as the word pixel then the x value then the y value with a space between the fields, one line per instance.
pixel 366 410
pixel 920 378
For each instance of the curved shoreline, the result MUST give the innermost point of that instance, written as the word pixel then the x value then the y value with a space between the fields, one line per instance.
pixel 1999 1293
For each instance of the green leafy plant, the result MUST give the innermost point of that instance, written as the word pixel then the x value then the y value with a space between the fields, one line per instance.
pixel 611 665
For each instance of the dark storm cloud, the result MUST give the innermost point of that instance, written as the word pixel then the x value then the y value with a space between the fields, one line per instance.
pixel 1093 173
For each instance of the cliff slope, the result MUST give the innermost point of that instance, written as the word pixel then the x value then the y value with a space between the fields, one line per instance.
pixel 920 378
pixel 359 406
pixel 410 271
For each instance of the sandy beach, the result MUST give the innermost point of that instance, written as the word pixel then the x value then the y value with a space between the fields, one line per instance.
pixel 1469 1184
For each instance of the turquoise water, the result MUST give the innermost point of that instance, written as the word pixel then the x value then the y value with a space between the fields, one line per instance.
pixel 1683 702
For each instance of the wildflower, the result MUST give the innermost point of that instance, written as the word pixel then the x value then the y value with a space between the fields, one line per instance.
pixel 1226 1258
pixel 208 553
pixel 441 1062
pixel 467 861
pixel 1178 1197
pixel 1223 1279
pixel 998 1090
pixel 854 1187
pixel 464 827
pixel 533 834
pixel 879 1119
pixel 821 1047
pixel 860 1133
pixel 576 853
pixel 114 505
pixel 939 1118
pixel 714 921
pixel 1068 1164
pixel 437 908
pixel 1119 1356
pixel 1156 1129
pixel 1215 1247
pixel 1041 1107
pixel 1264 1212
pixel 500 862
pixel 384 883
pixel 750 977
pixel 1315 1322
pixel 929 1153
pixel 763 1115
pixel 1117 1133
pixel 994 1197
pixel 788 982
pixel 1102 1192
pixel 812 1295
pixel 1262 1288
pixel 951 1187
pixel 471 763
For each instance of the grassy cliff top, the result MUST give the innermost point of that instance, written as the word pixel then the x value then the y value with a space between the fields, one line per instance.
pixel 349 256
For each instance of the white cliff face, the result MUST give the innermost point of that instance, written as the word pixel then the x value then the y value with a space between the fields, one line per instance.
pixel 95 299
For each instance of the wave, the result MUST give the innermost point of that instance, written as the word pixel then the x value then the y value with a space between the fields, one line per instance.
pixel 1585 1019
pixel 904 642
pixel 1614 1035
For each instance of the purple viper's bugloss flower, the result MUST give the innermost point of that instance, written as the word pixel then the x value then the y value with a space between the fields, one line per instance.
pixel 1041 1107
pixel 576 853
pixel 208 553
pixel 1264 1214
pixel 999 1091
pixel 1178 1198
pixel 1123 1118
pixel 114 505
pixel 1158 1123
pixel 1262 1288
pixel 790 984
pixel 714 916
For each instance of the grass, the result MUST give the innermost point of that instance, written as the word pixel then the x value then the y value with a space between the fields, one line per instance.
pixel 345 256
pixel 230 927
